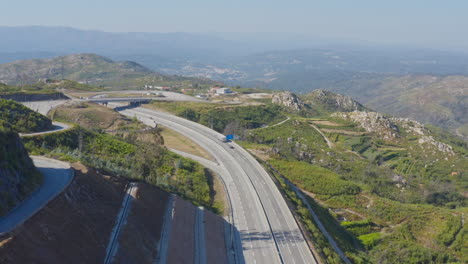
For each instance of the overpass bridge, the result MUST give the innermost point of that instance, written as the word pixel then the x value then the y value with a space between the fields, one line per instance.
pixel 133 101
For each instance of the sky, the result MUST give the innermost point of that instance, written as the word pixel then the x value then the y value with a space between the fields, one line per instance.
pixel 432 23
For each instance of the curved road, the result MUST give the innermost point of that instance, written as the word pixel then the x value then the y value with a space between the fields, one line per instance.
pixel 57 176
pixel 268 232
pixel 57 127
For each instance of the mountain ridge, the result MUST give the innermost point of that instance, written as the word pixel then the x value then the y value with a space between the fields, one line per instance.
pixel 86 68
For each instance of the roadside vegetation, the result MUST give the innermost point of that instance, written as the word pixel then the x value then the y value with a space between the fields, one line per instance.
pixel 128 157
pixel 389 200
pixel 18 176
pixel 48 86
pixel 21 119
pixel 399 201
pixel 228 119
pixel 129 150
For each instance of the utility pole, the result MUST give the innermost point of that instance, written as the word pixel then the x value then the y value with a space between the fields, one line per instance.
pixel 61 68
pixel 80 142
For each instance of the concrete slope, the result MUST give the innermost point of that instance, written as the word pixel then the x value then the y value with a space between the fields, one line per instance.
pixel 43 107
pixel 268 230
pixel 57 176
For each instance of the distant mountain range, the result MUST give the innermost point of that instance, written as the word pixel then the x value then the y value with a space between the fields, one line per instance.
pixel 86 68
pixel 427 85
pixel 79 67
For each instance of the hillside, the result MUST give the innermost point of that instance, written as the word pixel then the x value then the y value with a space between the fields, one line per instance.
pixel 18 176
pixel 331 102
pixel 87 211
pixel 21 119
pixel 87 68
pixel 441 101
pixel 430 99
pixel 79 67
pixel 388 189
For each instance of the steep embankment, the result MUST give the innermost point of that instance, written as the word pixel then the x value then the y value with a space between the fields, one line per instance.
pixel 73 228
pixel 19 118
pixel 18 176
pixel 76 226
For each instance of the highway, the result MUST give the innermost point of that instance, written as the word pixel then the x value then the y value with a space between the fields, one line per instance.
pixel 268 232
pixel 57 176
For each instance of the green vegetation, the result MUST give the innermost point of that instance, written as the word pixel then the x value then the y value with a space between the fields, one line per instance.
pixel 347 243
pixel 228 119
pixel 387 193
pixel 97 70
pixel 19 118
pixel 46 87
pixel 358 228
pixel 128 157
pixel 93 116
pixel 18 176
pixel 395 193
pixel 314 179
pixel 243 90
pixel 370 240
pixel 453 227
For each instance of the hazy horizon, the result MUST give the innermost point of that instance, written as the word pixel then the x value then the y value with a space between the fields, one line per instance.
pixel 431 24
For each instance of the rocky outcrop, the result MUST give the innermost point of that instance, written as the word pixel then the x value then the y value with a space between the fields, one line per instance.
pixel 332 102
pixel 388 128
pixel 372 122
pixel 410 126
pixel 18 176
pixel 442 147
pixel 289 100
pixel 416 128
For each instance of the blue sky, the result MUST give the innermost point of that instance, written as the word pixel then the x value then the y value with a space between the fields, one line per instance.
pixel 429 22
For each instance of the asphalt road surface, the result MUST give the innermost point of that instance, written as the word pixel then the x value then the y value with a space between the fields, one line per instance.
pixel 57 127
pixel 268 232
pixel 57 176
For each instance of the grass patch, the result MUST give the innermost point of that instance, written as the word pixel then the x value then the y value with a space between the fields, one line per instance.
pixel 175 140
pixel 314 179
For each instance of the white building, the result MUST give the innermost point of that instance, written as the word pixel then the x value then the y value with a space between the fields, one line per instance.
pixel 223 91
